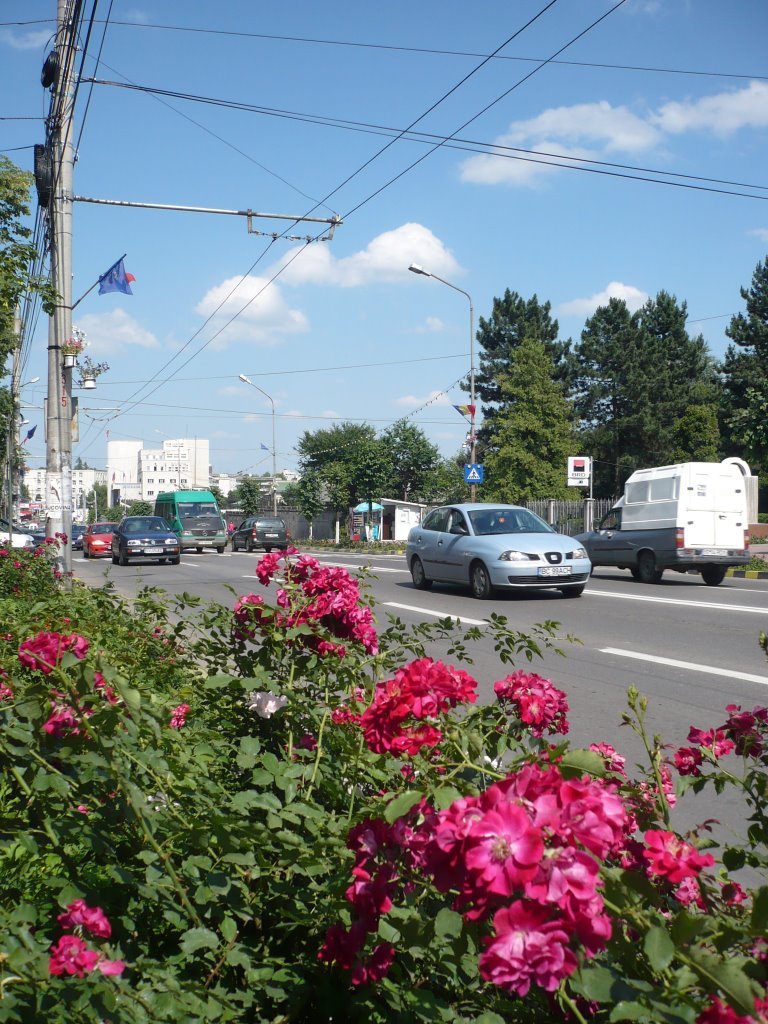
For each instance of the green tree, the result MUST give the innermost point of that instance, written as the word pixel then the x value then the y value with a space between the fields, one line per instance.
pixel 411 457
pixel 220 499
pixel 696 435
pixel 140 508
pixel 309 494
pixel 533 431
pixel 248 495
pixel 96 503
pixel 444 484
pixel 745 370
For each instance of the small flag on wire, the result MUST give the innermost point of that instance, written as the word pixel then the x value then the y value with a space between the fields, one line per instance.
pixel 30 433
pixel 116 279
pixel 465 410
pixel 264 448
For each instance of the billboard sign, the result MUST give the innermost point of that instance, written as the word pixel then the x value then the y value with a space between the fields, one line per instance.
pixel 579 470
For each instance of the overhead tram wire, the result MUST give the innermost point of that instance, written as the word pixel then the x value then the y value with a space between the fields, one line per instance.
pixel 416 49
pixel 455 142
pixel 550 4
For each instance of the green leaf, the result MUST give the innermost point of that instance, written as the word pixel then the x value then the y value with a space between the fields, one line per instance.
pixel 401 805
pixel 759 918
pixel 445 796
pixel 728 976
pixel 489 1018
pixel 630 1011
pixel 448 923
pixel 659 948
pixel 228 929
pixel 583 761
pixel 596 983
pixel 199 938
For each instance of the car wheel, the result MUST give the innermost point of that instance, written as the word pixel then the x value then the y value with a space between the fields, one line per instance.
pixel 572 591
pixel 114 558
pixel 268 548
pixel 161 561
pixel 713 575
pixel 220 549
pixel 418 575
pixel 480 581
pixel 646 568
pixel 176 560
pixel 635 572
pixel 249 545
pixel 122 559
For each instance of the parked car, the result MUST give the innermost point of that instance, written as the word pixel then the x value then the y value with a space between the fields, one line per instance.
pixel 77 536
pixel 488 546
pixel 18 537
pixel 97 539
pixel 261 532
pixel 145 537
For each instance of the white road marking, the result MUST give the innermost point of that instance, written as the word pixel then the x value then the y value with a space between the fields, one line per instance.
pixel 437 615
pixel 589 592
pixel 673 663
pixel 354 565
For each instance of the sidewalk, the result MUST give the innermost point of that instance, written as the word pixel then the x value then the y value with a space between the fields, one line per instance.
pixel 761 551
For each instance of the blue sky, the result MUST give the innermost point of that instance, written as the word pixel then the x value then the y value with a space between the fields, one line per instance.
pixel 339 330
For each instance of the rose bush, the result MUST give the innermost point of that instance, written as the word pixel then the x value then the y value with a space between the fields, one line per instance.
pixel 275 813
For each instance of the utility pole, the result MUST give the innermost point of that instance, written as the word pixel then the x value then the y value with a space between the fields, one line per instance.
pixel 59 419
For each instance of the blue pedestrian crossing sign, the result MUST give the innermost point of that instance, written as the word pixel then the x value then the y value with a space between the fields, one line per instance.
pixel 473 472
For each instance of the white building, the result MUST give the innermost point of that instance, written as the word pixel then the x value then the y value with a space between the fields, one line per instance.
pixel 137 473
pixel 83 482
pixel 225 483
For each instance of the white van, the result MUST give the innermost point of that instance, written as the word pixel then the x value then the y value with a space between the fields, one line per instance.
pixel 688 516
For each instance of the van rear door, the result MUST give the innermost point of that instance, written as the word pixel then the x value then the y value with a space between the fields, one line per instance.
pixel 730 512
pixel 715 510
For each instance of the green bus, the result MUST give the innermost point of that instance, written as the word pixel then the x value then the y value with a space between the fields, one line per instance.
pixel 195 518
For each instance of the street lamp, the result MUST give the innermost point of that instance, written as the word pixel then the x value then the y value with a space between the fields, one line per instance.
pixel 416 269
pixel 247 380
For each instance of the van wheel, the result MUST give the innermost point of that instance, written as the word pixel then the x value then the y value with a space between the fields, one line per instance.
pixel 635 572
pixel 199 551
pixel 220 549
pixel 646 568
pixel 418 575
pixel 268 548
pixel 480 581
pixel 713 575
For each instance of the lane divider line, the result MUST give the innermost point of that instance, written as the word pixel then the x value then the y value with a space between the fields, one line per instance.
pixel 437 615
pixel 673 663
pixel 589 592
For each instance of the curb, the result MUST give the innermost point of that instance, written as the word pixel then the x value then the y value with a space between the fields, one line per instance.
pixel 748 574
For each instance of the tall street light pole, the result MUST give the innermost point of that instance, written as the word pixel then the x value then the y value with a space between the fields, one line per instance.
pixel 416 269
pixel 247 380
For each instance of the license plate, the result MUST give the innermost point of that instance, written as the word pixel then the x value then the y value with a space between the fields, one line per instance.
pixel 270 535
pixel 153 551
pixel 555 570
pixel 712 551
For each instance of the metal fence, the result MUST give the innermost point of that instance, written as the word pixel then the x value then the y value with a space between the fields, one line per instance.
pixel 569 516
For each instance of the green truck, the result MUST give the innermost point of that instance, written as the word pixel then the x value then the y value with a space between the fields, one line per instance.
pixel 195 517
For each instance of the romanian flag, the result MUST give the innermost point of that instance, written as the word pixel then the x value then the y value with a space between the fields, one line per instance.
pixel 465 410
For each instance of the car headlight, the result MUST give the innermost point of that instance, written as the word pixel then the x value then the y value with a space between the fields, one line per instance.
pixel 135 543
pixel 514 556
pixel 172 541
pixel 579 553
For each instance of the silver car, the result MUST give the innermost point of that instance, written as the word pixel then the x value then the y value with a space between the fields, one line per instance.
pixel 493 547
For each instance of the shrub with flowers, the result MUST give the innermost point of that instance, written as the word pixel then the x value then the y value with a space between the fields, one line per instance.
pixel 299 818
pixel 89 368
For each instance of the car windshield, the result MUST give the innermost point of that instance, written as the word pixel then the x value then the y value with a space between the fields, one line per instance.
pixel 146 525
pixel 195 509
pixel 103 527
pixel 488 522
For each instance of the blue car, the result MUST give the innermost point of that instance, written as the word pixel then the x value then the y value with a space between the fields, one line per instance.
pixel 489 547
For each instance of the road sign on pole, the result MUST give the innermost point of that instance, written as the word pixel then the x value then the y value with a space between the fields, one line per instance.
pixel 473 472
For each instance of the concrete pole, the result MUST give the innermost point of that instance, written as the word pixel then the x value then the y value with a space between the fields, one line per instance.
pixel 59 420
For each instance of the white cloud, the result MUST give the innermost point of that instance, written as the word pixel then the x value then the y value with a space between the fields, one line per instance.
pixel 386 258
pixel 108 333
pixel 433 398
pixel 231 389
pixel 489 169
pixel 432 325
pixel 721 114
pixel 633 297
pixel 32 40
pixel 615 128
pixel 261 314
pixel 760 233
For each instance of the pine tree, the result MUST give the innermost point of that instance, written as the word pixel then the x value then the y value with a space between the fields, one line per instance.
pixel 532 433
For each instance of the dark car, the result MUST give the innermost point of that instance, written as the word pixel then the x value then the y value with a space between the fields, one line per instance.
pixel 77 536
pixel 260 532
pixel 145 537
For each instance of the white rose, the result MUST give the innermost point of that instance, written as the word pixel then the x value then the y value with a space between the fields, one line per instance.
pixel 265 704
